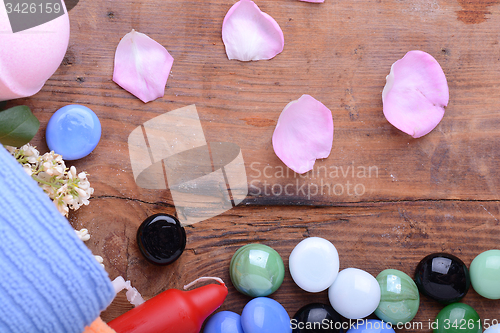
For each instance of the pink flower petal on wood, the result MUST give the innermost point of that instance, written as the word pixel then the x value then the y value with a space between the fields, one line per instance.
pixel 315 1
pixel 142 66
pixel 303 134
pixel 250 34
pixel 416 94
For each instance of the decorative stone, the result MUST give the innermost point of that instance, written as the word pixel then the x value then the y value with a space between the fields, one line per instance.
pixel 399 299
pixel 73 131
pixel 265 315
pixel 442 277
pixel 224 322
pixel 256 270
pixel 354 294
pixel 457 318
pixel 492 329
pixel 161 239
pixel 485 274
pixel 316 318
pixel 371 326
pixel 314 264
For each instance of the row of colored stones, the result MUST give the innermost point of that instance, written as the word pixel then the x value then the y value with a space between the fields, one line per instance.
pixel 257 270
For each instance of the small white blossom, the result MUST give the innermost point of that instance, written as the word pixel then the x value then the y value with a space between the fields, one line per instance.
pixel 27 168
pixel 66 187
pixel 83 234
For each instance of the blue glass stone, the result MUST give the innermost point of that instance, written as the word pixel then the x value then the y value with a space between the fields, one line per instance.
pixel 73 131
pixel 371 326
pixel 265 315
pixel 224 322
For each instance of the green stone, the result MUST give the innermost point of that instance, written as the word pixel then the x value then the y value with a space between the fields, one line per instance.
pixel 485 274
pixel 399 299
pixel 256 270
pixel 457 318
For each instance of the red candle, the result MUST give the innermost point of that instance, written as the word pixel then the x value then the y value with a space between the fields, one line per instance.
pixel 173 311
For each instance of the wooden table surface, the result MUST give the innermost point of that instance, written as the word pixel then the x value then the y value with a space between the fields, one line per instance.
pixel 437 193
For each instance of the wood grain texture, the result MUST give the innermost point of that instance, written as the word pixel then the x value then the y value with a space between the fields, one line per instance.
pixel 436 193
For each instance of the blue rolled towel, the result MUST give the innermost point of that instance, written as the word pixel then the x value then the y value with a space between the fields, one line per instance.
pixel 49 280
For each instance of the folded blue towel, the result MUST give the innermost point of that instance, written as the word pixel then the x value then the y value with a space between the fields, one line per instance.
pixel 49 280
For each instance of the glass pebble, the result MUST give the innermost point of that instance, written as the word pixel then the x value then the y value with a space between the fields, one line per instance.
pixel 224 322
pixel 371 326
pixel 493 329
pixel 265 315
pixel 256 270
pixel 316 318
pixel 457 318
pixel 442 277
pixel 400 300
pixel 314 264
pixel 73 131
pixel 485 274
pixel 161 239
pixel 354 294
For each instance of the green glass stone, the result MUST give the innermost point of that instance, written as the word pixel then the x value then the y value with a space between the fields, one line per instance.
pixel 256 270
pixel 457 318
pixel 485 274
pixel 399 299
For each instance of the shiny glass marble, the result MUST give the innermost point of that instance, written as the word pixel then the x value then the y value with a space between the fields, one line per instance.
pixel 316 318
pixel 485 274
pixel 314 264
pixel 224 322
pixel 399 300
pixel 265 315
pixel 371 326
pixel 256 270
pixel 442 277
pixel 161 239
pixel 492 329
pixel 73 131
pixel 354 294
pixel 457 318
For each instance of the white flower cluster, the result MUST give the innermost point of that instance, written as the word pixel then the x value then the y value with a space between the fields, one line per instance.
pixel 67 188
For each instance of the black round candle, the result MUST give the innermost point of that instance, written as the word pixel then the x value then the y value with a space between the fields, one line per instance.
pixel 161 239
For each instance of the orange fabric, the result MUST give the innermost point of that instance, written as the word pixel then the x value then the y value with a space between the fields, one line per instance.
pixel 98 326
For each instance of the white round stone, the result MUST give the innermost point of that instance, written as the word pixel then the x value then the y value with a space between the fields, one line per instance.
pixel 355 293
pixel 314 264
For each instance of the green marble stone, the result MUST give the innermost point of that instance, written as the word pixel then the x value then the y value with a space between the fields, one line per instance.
pixel 399 299
pixel 485 274
pixel 256 270
pixel 457 318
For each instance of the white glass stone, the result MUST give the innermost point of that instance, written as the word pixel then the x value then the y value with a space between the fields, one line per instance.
pixel 314 264
pixel 354 294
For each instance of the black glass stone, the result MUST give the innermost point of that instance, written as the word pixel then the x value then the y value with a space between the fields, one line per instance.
pixel 442 277
pixel 315 318
pixel 161 239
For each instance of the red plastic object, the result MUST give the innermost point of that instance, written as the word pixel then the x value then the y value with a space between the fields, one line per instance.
pixel 172 311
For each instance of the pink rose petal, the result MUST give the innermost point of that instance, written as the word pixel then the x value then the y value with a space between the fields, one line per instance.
pixel 142 66
pixel 303 134
pixel 415 94
pixel 250 34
